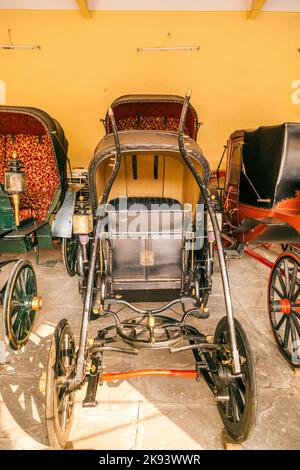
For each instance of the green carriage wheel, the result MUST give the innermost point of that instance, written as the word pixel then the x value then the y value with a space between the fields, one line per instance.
pixel 69 253
pixel 20 303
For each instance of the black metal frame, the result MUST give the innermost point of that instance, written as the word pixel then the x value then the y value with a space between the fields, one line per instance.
pixel 83 351
pixel 3 341
pixel 217 360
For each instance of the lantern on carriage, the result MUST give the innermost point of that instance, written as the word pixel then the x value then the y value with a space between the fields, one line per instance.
pixel 15 182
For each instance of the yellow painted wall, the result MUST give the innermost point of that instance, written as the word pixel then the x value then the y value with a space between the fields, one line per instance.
pixel 242 76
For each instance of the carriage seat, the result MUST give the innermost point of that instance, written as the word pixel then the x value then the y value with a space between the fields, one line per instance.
pixel 146 236
pixel 36 152
pixel 147 202
pixel 145 216
pixel 26 213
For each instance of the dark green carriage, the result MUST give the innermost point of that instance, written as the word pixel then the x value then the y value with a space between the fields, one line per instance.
pixel 33 186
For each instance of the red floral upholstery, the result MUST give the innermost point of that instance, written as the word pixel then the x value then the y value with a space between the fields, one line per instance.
pixel 2 158
pixel 36 152
pixel 169 124
pixel 26 213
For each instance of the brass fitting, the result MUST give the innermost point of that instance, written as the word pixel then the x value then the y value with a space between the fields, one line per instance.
pixel 151 325
pixel 36 303
pixel 151 321
pixel 16 205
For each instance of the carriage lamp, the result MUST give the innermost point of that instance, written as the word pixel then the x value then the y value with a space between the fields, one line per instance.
pixel 15 183
pixel 82 221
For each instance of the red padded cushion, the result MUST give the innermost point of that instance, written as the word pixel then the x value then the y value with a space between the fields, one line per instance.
pixel 25 213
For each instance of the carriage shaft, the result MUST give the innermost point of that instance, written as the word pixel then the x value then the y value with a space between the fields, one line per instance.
pixel 225 280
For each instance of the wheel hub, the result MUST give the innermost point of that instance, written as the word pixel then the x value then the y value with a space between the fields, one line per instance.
pixel 32 303
pixel 285 306
pixel 282 306
pixel 36 303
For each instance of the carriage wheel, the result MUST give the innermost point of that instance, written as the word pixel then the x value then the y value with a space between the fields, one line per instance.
pixel 20 303
pixel 239 412
pixel 284 306
pixel 59 404
pixel 69 249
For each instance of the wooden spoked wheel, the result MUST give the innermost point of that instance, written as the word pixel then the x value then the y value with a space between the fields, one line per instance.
pixel 59 402
pixel 284 306
pixel 239 411
pixel 20 304
pixel 69 252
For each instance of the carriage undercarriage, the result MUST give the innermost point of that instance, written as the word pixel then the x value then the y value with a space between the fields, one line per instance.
pixel 234 393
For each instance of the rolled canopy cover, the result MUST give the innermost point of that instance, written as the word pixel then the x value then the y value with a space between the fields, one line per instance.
pixel 142 141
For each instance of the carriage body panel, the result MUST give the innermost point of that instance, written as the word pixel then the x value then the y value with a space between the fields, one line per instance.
pixel 39 143
pixel 262 188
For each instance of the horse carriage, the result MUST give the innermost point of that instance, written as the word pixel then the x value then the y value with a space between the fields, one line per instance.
pixel 33 185
pixel 148 234
pixel 261 204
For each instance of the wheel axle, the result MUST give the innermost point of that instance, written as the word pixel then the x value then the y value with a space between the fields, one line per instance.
pixel 282 306
pixel 285 306
pixel 106 377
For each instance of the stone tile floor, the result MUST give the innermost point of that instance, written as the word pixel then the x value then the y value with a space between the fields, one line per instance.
pixel 147 413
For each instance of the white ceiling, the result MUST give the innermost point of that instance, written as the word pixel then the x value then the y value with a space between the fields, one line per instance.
pixel 191 5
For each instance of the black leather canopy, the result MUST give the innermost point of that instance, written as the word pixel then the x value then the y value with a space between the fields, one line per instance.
pixel 271 157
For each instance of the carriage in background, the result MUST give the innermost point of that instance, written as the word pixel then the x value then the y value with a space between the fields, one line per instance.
pixel 33 185
pixel 147 234
pixel 261 204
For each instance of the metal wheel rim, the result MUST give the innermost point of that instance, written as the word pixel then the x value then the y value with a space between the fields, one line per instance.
pixel 69 254
pixel 63 403
pixel 239 413
pixel 237 390
pixel 19 317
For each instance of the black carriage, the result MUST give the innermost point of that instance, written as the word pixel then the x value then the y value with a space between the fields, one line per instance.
pixel 33 185
pixel 262 205
pixel 148 234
